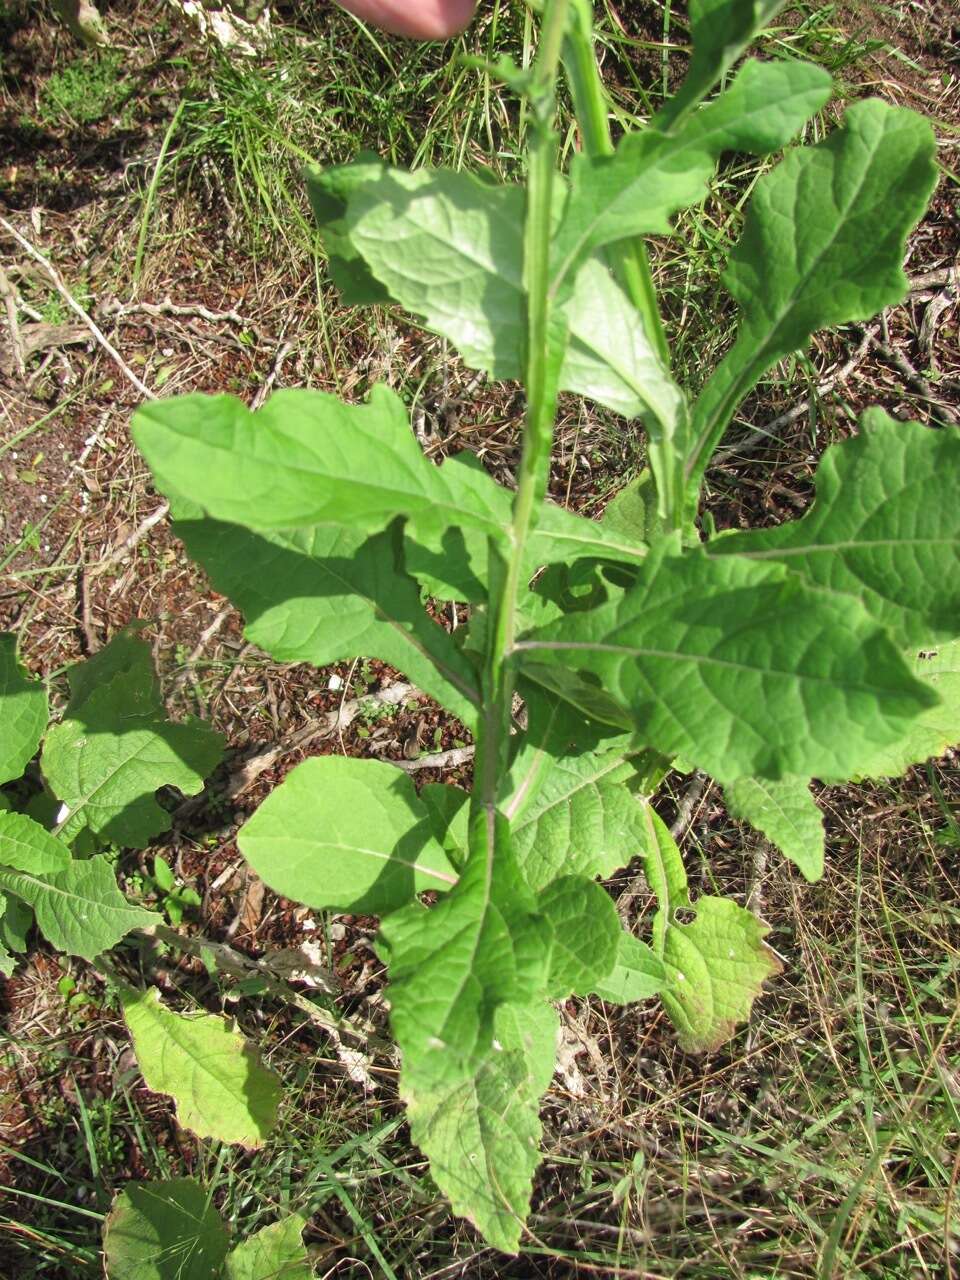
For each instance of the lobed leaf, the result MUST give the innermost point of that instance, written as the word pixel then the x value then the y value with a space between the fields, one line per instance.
pixel 481 1128
pixel 715 962
pixel 884 527
pixel 936 729
pixel 350 835
pixel 822 245
pixel 215 1078
pixel 305 458
pixel 24 712
pixel 79 910
pixel 582 817
pixel 164 1231
pixel 721 31
pixel 114 749
pixel 449 248
pixel 735 665
pixel 788 816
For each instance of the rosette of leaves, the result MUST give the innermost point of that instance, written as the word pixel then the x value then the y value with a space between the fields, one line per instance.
pixel 102 765
pixel 823 649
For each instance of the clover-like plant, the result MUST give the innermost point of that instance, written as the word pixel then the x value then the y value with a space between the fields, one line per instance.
pixel 825 648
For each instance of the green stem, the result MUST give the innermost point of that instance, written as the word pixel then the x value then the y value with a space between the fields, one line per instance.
pixel 543 355
pixel 628 258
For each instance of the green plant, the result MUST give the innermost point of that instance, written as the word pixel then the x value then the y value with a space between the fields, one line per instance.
pixel 102 765
pixel 823 648
pixel 88 89
pixel 174 898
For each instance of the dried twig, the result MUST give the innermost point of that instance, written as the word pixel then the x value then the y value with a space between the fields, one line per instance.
pixel 189 310
pixel 10 304
pixel 92 641
pixel 439 760
pixel 128 543
pixel 268 383
pixel 57 281
pixel 914 379
pixel 235 963
pixel 935 279
pixel 771 431
pixel 206 636
pixel 694 793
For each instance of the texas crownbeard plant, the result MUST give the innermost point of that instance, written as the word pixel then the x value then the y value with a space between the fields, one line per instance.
pixel 824 648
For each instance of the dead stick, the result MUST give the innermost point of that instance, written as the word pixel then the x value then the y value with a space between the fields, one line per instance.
pixel 57 281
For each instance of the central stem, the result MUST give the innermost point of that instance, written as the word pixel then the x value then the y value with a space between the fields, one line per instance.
pixel 544 351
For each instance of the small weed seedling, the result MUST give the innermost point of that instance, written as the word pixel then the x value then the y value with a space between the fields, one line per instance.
pixel 825 648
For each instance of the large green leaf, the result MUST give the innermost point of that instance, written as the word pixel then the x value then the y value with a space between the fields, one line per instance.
pixel 164 1231
pixel 305 458
pixel 481 1127
pixel 346 834
pixel 274 1252
pixel 23 712
pixel 610 359
pixel 214 1076
pixel 651 176
pixel 472 1072
pixel 453 565
pixel 586 934
pixel 449 248
pixel 884 527
pixel 787 814
pixel 79 909
pixel 721 31
pixel 27 846
pixel 328 594
pixel 823 244
pixel 735 665
pixel 582 817
pixel 114 749
pixel 715 962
